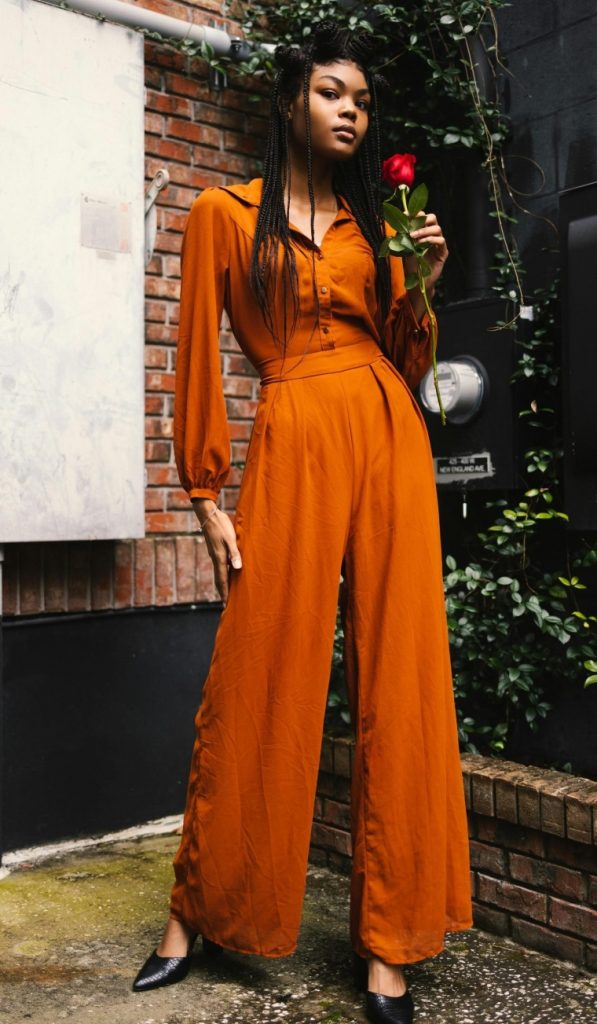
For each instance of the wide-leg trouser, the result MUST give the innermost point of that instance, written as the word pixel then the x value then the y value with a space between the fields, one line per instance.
pixel 338 479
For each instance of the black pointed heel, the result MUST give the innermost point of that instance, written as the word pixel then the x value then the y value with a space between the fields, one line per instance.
pixel 163 970
pixel 360 971
pixel 382 1009
pixel 210 948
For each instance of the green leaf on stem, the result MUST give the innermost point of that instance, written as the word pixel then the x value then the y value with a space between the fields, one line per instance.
pixel 418 199
pixel 395 217
pixel 411 281
pixel 401 246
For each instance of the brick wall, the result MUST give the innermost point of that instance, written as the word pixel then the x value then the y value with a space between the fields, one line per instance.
pixel 533 845
pixel 203 137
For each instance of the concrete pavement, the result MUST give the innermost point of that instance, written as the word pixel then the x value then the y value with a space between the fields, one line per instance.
pixel 77 926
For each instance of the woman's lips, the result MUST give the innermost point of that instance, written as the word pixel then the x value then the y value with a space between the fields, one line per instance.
pixel 345 133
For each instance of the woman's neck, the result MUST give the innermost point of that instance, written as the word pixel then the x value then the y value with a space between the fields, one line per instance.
pixel 322 177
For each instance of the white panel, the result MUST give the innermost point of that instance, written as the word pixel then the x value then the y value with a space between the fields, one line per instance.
pixel 71 276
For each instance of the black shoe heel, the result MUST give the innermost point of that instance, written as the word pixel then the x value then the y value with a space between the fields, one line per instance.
pixel 360 972
pixel 210 948
pixel 163 970
pixel 382 1009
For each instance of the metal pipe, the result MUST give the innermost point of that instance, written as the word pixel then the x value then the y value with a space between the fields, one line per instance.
pixel 173 28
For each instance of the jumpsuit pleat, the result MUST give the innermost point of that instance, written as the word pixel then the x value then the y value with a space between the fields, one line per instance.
pixel 338 483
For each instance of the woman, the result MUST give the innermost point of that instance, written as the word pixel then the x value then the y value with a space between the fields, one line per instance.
pixel 338 479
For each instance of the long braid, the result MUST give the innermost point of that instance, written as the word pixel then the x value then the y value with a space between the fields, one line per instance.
pixel 358 179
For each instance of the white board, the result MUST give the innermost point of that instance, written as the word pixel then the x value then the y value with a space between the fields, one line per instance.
pixel 71 276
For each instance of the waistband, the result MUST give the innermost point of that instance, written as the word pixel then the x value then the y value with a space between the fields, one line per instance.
pixel 327 360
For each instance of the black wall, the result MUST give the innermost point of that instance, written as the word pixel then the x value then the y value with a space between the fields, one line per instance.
pixel 550 95
pixel 99 719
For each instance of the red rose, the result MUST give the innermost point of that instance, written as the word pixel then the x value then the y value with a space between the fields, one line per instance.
pixel 399 169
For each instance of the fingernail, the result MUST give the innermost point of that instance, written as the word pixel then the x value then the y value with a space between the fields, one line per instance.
pixel 236 563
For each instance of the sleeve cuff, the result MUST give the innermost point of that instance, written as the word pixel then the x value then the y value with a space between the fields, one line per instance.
pixel 203 492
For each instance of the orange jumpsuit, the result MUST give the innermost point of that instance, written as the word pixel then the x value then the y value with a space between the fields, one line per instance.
pixel 338 479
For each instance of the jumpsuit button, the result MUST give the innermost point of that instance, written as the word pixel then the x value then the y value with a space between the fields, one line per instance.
pixel 325 330
pixel 323 289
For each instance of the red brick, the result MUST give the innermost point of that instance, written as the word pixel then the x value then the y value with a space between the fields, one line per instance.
pixel 554 943
pixel 159 381
pixel 199 134
pixel 123 574
pixel 162 476
pixel 158 451
pixel 154 500
pixel 158 426
pixel 78 576
pixel 243 387
pixel 318 857
pixel 165 104
pixel 553 817
pixel 510 836
pixel 168 522
pixel 207 113
pixel 162 288
pixel 239 364
pixel 571 917
pixel 144 549
pixel 155 405
pixel 167 149
pixel 491 920
pixel 154 123
pixel 54 577
pixel 30 578
pixel 511 897
pixel 543 875
pixel 342 757
pixel 177 499
pixel 340 863
pixel 155 311
pixel 578 809
pixel 565 851
pixel 331 838
pixel 185 568
pixel 487 858
pixel 336 814
pixel 10 580
pixel 162 334
pixel 164 571
pixel 101 574
pixel 483 793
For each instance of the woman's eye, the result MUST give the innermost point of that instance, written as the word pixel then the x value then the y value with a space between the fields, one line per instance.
pixel 330 92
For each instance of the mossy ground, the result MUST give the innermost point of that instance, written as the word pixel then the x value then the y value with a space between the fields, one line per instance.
pixel 76 928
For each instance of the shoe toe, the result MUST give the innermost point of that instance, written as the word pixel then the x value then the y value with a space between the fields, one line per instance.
pixel 382 1009
pixel 160 970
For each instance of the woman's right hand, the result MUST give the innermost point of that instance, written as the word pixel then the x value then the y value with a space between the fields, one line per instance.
pixel 220 537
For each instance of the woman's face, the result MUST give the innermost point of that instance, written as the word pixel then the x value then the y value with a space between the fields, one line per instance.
pixel 338 98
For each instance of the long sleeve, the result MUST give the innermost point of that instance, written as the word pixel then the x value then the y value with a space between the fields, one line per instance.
pixel 201 433
pixel 408 342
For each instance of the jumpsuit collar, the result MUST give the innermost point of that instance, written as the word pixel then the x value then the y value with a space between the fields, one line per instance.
pixel 250 192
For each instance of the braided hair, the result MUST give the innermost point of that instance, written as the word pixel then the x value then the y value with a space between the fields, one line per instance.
pixel 357 179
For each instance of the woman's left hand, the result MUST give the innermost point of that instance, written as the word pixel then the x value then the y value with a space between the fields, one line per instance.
pixel 437 253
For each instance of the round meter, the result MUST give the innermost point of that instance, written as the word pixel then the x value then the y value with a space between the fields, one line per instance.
pixel 463 384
